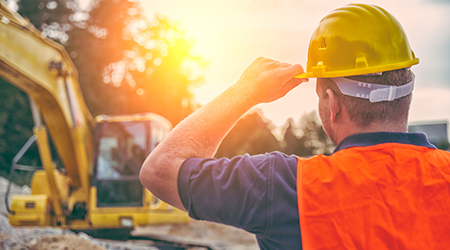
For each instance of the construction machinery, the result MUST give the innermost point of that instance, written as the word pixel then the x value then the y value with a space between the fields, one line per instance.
pixel 97 186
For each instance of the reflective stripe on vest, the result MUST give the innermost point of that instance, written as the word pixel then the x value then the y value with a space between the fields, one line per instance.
pixel 387 196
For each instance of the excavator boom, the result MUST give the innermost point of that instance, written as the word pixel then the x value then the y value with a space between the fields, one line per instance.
pixel 43 70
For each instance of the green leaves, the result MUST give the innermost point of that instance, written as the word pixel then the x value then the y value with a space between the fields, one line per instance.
pixel 16 126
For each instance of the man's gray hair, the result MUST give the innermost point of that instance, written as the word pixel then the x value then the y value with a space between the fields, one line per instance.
pixel 362 112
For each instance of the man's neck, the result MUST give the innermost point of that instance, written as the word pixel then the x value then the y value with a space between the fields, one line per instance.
pixel 351 129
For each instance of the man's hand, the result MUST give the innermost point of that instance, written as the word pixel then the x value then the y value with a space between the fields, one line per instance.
pixel 267 80
pixel 200 134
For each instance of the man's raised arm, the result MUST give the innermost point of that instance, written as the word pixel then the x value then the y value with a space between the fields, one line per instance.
pixel 200 134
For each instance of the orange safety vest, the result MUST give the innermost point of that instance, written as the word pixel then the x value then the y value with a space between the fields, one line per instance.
pixel 387 196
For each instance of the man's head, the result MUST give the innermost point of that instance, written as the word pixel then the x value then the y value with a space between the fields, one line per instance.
pixel 366 44
pixel 362 113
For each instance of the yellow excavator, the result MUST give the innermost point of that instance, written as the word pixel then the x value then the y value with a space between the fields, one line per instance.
pixel 97 186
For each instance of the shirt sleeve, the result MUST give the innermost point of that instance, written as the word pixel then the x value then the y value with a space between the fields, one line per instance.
pixel 240 191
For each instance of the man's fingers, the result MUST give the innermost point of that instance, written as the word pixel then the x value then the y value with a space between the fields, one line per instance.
pixel 270 79
pixel 291 84
pixel 294 69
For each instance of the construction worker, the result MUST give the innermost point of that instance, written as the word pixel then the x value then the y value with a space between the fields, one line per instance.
pixel 382 188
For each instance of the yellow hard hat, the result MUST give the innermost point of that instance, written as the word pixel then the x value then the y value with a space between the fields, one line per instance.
pixel 357 39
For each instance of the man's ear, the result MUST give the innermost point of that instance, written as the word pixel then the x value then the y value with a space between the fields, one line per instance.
pixel 335 105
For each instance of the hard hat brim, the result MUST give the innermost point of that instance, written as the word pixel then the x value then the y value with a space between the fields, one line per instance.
pixel 362 71
pixel 304 75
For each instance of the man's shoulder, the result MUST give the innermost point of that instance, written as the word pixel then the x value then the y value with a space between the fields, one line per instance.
pixel 272 159
pixel 278 161
pixel 279 157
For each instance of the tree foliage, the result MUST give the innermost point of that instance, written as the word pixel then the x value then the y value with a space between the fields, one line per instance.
pixel 127 63
pixel 307 138
pixel 443 144
pixel 252 134
pixel 15 128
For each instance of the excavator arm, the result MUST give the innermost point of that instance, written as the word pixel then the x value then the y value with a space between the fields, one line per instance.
pixel 43 70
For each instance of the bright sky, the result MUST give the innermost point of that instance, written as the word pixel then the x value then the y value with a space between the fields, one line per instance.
pixel 232 33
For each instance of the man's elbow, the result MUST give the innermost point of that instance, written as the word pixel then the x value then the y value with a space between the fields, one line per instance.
pixel 147 174
pixel 160 177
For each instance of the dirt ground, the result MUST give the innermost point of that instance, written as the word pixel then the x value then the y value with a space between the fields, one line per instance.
pixel 63 242
pixel 216 235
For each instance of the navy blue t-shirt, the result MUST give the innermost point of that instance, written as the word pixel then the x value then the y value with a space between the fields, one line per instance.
pixel 259 193
pixel 255 193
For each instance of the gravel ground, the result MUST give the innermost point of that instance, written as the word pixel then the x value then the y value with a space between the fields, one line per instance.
pixel 217 236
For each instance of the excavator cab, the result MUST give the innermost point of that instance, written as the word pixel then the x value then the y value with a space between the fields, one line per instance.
pixel 121 148
pixel 121 144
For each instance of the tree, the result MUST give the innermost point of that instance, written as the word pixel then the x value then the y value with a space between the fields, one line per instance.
pixel 291 140
pixel 126 62
pixel 161 70
pixel 152 67
pixel 15 128
pixel 443 144
pixel 251 134
pixel 308 138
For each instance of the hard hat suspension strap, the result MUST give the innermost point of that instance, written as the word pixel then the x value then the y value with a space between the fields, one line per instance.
pixel 373 92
